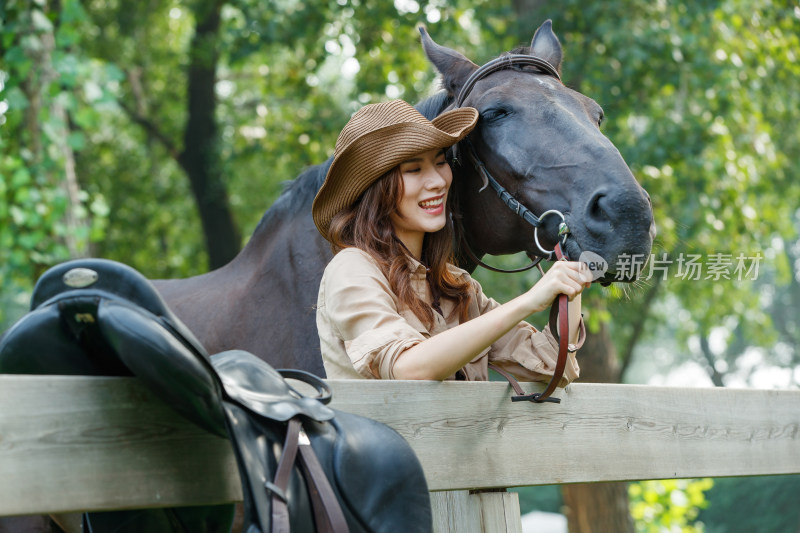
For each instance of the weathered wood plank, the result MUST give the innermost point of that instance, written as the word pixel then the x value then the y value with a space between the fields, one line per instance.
pixel 69 443
pixel 103 443
pixel 471 435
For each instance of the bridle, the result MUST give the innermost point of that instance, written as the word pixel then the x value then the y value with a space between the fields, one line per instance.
pixel 559 318
pixel 507 62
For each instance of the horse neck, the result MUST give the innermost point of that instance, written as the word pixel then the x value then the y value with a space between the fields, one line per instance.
pixel 465 181
pixel 286 223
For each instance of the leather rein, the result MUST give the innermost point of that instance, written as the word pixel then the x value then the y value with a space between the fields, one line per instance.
pixel 559 317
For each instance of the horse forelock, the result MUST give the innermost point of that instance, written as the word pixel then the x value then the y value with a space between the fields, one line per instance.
pixel 525 50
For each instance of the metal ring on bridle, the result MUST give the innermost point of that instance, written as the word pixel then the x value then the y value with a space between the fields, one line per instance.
pixel 563 230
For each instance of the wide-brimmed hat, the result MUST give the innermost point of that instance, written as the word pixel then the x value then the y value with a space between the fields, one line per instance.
pixel 377 138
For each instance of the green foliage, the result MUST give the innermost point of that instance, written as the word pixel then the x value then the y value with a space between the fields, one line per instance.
pixel 699 98
pixel 545 498
pixel 669 505
pixel 49 90
pixel 767 504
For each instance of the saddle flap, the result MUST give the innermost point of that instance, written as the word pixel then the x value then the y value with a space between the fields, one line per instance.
pixel 257 386
pixel 40 343
pixel 255 445
pixel 378 476
pixel 182 378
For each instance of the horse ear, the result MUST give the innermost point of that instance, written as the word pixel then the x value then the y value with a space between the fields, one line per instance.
pixel 545 44
pixel 453 66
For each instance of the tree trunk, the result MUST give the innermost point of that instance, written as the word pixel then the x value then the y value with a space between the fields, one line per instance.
pixel 599 507
pixel 708 355
pixel 201 151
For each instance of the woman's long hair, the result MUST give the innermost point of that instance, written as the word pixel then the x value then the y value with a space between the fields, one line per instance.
pixel 367 225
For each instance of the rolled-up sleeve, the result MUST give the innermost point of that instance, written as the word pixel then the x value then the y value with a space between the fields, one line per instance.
pixel 525 352
pixel 363 315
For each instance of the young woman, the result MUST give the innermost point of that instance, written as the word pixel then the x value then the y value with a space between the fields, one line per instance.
pixel 391 305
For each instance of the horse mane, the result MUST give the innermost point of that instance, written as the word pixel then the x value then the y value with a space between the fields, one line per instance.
pixel 298 193
pixel 432 106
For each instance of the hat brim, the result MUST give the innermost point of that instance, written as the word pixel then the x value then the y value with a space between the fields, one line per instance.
pixel 372 155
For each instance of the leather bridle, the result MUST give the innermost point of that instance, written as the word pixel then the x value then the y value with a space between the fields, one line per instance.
pixel 559 317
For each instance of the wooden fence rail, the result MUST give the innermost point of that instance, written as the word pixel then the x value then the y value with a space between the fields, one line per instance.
pixel 80 443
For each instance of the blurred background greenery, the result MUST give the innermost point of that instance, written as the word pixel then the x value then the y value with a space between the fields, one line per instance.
pixel 157 132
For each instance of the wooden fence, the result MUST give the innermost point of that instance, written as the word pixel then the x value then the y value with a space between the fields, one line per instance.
pixel 80 443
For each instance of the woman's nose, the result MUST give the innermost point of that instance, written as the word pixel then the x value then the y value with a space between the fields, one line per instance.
pixel 435 179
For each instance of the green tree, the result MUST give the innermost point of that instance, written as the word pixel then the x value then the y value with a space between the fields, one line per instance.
pixel 49 91
pixel 669 505
pixel 763 504
pixel 110 111
pixel 691 96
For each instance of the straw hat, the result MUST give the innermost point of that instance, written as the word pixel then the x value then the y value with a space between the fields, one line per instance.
pixel 377 138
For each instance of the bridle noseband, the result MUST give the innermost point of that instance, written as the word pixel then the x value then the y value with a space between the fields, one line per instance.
pixel 559 310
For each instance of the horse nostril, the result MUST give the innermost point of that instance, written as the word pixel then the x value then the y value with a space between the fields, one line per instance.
pixel 597 208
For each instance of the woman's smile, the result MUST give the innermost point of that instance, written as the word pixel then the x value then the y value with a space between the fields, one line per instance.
pixel 422 206
pixel 433 206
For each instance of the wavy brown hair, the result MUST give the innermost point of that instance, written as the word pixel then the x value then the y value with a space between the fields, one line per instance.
pixel 367 225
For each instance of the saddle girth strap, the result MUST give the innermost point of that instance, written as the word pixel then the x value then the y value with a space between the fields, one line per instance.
pixel 328 515
pixel 280 484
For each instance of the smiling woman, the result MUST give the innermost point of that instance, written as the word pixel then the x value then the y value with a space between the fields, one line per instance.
pixel 391 303
pixel 426 179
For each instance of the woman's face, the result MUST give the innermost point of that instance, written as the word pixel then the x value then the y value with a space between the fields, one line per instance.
pixel 426 180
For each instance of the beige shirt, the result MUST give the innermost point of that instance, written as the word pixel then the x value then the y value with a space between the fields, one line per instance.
pixel 363 327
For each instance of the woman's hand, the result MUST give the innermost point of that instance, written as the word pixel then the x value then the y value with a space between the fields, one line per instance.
pixel 564 277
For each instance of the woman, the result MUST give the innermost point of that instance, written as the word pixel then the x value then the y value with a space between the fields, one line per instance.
pixel 391 305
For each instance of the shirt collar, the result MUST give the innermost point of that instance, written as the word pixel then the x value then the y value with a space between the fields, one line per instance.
pixel 418 270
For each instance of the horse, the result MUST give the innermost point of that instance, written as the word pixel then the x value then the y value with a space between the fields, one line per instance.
pixel 536 136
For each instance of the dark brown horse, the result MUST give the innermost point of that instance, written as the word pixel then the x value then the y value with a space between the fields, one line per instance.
pixel 539 138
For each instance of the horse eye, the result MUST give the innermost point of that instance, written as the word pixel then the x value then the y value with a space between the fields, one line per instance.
pixel 495 113
pixel 601 118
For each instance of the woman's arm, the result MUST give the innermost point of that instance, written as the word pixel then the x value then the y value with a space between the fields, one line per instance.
pixel 440 356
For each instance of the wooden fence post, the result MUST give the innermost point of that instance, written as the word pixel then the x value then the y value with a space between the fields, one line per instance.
pixel 495 511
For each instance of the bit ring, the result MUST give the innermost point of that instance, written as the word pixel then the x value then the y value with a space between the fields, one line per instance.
pixel 563 230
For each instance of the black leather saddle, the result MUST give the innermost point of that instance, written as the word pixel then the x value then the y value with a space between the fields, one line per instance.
pixel 303 465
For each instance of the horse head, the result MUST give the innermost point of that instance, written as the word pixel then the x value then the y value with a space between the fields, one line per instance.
pixel 542 142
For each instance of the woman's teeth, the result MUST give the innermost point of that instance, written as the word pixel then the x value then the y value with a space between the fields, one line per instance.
pixel 430 204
